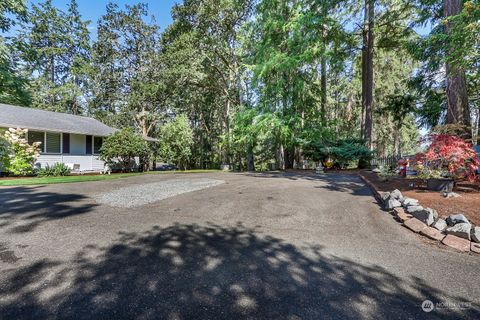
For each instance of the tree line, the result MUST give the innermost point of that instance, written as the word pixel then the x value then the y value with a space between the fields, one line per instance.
pixel 259 82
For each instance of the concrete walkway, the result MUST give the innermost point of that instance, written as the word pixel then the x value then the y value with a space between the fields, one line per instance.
pixel 283 246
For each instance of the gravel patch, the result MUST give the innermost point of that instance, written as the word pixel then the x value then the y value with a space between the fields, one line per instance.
pixel 138 195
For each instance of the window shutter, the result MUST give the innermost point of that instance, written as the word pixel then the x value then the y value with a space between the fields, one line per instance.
pixel 66 143
pixel 88 145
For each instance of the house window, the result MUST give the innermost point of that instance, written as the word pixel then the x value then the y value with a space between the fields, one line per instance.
pixel 53 142
pixel 37 136
pixel 97 144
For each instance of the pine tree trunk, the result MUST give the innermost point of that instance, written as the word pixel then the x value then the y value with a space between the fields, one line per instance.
pixel 458 111
pixel 367 71
pixel 281 158
pixel 250 160
pixel 397 136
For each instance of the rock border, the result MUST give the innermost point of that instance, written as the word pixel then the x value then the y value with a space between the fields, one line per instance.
pixel 456 231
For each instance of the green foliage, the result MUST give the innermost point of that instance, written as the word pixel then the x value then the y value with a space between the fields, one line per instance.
pixel 13 86
pixel 458 47
pixel 176 140
pixel 257 81
pixel 122 147
pixel 57 170
pixel 16 154
pixel 53 47
pixel 344 151
pixel 129 85
pixel 386 173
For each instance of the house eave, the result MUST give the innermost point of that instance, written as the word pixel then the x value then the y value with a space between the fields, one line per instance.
pixel 35 128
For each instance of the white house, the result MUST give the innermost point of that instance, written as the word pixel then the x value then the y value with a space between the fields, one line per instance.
pixel 73 140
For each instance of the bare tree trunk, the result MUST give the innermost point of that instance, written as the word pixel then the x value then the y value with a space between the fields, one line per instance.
pixel 367 71
pixel 458 111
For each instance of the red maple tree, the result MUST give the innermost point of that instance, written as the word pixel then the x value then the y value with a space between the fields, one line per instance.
pixel 452 155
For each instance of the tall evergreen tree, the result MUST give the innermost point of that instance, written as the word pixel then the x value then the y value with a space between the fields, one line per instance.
pixel 127 86
pixel 458 111
pixel 13 86
pixel 56 55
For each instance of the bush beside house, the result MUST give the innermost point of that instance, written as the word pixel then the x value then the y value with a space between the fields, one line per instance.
pixel 17 156
pixel 121 148
pixel 57 170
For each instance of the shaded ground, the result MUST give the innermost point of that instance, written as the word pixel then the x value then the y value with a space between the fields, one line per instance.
pixel 468 203
pixel 284 246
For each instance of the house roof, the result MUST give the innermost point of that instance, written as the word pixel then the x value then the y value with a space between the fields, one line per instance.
pixel 36 119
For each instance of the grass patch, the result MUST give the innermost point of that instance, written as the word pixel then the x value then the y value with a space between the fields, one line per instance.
pixel 65 179
pixel 69 179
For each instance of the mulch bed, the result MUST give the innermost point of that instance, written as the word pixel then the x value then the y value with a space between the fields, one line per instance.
pixel 468 203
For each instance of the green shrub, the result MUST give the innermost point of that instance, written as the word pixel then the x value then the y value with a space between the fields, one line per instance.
pixel 57 170
pixel 341 151
pixel 122 147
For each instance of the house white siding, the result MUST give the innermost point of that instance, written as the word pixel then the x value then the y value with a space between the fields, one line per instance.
pixel 97 164
pixel 86 162
pixel 48 159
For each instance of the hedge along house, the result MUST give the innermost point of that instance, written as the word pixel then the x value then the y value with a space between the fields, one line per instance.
pixel 69 139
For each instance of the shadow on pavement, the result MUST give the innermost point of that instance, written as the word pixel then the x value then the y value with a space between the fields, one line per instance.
pixel 192 271
pixel 334 181
pixel 24 208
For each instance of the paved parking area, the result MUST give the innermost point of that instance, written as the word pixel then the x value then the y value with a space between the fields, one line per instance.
pixel 285 246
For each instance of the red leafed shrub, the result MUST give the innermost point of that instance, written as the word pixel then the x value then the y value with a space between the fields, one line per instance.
pixel 452 156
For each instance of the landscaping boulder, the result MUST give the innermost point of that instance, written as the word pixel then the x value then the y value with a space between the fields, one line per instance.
pixel 392 203
pixel 453 219
pixel 385 197
pixel 475 234
pixel 407 202
pixel 412 209
pixel 432 216
pixel 400 214
pixel 440 224
pixel 426 215
pixel 457 243
pixel 396 194
pixel 461 230
pixel 432 233
pixel 451 195
pixel 415 225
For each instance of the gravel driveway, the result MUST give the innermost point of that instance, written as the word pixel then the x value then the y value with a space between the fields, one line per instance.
pixel 255 246
pixel 141 194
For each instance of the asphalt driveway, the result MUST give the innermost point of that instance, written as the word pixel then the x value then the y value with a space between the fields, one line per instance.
pixel 257 246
